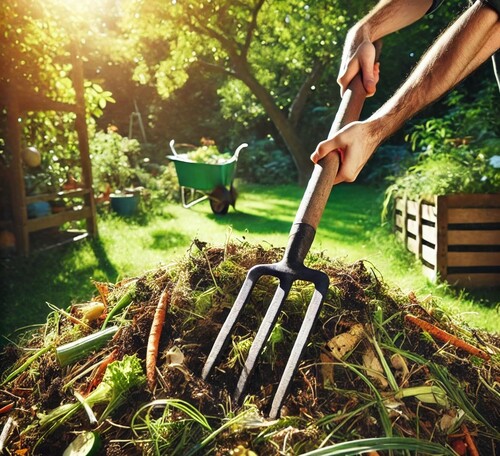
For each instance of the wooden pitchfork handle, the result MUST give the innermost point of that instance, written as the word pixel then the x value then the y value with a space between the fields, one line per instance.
pixel 321 182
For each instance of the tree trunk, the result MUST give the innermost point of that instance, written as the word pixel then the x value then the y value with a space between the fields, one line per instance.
pixel 285 128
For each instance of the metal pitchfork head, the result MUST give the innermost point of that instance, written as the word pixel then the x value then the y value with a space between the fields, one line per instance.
pixel 291 267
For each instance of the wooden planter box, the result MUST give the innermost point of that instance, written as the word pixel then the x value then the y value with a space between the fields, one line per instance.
pixel 457 237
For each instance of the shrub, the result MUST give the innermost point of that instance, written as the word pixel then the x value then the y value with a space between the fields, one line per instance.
pixel 114 160
pixel 264 163
pixel 456 153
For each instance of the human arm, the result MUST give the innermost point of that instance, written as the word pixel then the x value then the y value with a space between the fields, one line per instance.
pixel 385 18
pixel 455 54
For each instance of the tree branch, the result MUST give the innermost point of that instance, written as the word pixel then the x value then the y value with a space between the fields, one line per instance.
pixel 203 29
pixel 252 27
pixel 218 69
pixel 303 94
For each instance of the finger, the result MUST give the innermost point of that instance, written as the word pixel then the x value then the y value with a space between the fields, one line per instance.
pixel 368 76
pixel 367 62
pixel 316 156
pixel 376 78
pixel 345 78
pixel 322 152
pixel 376 72
pixel 319 153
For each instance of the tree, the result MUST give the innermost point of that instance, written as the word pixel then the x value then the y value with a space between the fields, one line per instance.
pixel 277 50
pixel 38 38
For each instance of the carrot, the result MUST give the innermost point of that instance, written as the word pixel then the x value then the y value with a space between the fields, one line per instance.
pixel 444 336
pixel 471 446
pixel 7 408
pixel 99 373
pixel 154 338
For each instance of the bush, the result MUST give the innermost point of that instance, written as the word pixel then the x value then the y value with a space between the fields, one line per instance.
pixel 114 160
pixel 389 160
pixel 456 153
pixel 264 163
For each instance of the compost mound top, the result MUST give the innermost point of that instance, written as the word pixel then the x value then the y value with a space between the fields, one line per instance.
pixel 120 374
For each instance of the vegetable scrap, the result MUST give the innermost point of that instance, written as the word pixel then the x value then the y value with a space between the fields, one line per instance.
pixel 382 370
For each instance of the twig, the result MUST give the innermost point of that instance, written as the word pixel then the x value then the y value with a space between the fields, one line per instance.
pixel 7 428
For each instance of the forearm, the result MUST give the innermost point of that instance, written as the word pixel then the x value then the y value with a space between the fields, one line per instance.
pixel 456 53
pixel 359 53
pixel 387 17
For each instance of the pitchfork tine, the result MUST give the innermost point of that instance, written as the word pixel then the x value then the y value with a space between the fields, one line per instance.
pixel 262 335
pixel 225 332
pixel 299 345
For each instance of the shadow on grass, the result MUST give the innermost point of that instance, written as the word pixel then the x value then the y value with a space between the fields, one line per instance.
pixel 352 212
pixel 262 223
pixel 103 261
pixel 168 239
pixel 61 276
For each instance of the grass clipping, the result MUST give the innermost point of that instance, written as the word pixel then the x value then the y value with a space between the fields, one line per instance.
pixel 371 377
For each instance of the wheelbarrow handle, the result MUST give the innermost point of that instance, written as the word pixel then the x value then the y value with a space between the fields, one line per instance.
pixel 321 182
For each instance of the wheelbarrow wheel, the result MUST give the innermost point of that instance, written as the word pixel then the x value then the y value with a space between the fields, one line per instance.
pixel 220 199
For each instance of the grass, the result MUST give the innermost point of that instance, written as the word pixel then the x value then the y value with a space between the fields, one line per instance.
pixel 350 229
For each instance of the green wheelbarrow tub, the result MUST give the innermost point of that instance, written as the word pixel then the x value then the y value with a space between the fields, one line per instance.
pixel 210 179
pixel 203 176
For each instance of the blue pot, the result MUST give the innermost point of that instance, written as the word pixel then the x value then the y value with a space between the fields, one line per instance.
pixel 124 203
pixel 39 209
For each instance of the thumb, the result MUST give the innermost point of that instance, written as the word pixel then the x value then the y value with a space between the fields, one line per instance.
pixel 326 147
pixel 369 71
pixel 347 75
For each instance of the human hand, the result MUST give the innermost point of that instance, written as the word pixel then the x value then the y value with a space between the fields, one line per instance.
pixel 356 141
pixel 359 59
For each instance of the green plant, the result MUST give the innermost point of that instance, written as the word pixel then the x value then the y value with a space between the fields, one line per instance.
pixel 455 153
pixel 120 378
pixel 266 163
pixel 114 160
pixel 208 154
pixel 363 446
pixel 54 135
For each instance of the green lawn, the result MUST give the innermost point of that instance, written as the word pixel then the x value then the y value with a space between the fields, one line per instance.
pixel 350 229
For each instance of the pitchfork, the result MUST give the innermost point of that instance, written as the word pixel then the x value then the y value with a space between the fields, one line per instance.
pixel 291 267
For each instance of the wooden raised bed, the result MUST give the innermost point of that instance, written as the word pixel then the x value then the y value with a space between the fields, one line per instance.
pixel 457 237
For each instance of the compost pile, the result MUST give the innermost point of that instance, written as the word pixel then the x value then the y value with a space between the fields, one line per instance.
pixel 380 366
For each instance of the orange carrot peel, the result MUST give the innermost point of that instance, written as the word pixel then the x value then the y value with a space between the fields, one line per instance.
pixel 101 369
pixel 444 336
pixel 471 446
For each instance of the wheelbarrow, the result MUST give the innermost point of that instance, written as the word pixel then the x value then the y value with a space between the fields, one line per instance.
pixel 201 181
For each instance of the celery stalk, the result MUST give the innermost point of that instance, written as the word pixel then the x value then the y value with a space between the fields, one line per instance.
pixel 73 351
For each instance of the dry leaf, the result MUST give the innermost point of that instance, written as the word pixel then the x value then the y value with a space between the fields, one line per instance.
pixel 399 363
pixel 342 344
pixel 374 368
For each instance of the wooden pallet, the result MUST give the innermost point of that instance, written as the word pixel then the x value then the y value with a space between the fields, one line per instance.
pixel 457 237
